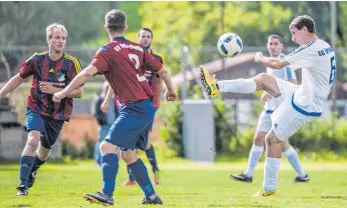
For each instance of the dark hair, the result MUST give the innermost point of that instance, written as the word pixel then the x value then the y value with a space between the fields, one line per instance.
pixel 115 20
pixel 275 36
pixel 145 28
pixel 304 21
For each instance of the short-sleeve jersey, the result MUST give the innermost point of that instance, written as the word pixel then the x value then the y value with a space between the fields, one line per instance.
pixel 59 73
pixel 317 60
pixel 123 63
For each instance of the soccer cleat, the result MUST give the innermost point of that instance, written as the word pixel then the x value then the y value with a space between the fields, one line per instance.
pixel 242 177
pixel 32 177
pixel 156 177
pixel 209 81
pixel 302 179
pixel 156 200
pixel 99 198
pixel 264 192
pixel 129 183
pixel 22 191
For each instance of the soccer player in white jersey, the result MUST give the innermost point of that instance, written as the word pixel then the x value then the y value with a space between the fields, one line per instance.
pixel 274 47
pixel 301 103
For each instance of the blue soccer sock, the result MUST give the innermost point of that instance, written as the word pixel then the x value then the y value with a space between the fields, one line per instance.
pixel 150 153
pixel 37 164
pixel 140 173
pixel 26 164
pixel 109 166
pixel 131 178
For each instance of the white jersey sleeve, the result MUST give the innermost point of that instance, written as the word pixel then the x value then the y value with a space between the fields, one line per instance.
pixel 301 57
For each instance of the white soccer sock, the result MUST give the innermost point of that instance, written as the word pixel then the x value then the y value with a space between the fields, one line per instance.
pixel 294 160
pixel 272 166
pixel 244 86
pixel 253 159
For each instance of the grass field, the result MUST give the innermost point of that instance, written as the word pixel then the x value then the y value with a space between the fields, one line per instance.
pixel 184 184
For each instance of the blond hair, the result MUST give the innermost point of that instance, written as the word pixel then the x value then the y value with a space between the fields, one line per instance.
pixel 55 26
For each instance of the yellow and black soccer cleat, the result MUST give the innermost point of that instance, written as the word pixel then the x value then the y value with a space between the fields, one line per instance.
pixel 209 81
pixel 264 192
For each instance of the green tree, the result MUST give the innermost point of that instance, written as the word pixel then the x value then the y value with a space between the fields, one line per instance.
pixel 198 24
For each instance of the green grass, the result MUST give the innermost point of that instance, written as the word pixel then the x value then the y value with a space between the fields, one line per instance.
pixel 184 184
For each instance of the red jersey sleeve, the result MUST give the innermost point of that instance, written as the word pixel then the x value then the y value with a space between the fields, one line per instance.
pixel 27 68
pixel 101 60
pixel 152 63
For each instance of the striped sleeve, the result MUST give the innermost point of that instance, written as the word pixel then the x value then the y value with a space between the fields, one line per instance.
pixel 76 63
pixel 27 68
pixel 75 67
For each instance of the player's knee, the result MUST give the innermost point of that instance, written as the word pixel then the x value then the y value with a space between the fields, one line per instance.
pixel 148 145
pixel 285 146
pixel 43 153
pixel 259 140
pixel 271 139
pixel 33 141
pixel 106 148
pixel 260 80
pixel 129 156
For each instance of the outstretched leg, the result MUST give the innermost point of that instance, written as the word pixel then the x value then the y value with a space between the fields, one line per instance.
pixel 260 82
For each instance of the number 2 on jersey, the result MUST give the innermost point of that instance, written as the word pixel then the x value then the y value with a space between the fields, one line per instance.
pixel 333 69
pixel 135 58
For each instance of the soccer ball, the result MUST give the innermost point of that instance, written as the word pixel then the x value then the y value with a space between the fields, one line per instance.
pixel 229 45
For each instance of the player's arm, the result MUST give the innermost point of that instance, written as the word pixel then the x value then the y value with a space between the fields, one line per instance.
pixel 274 63
pixel 12 84
pixel 158 90
pixel 26 70
pixel 47 87
pixel 165 76
pixel 77 82
pixel 106 103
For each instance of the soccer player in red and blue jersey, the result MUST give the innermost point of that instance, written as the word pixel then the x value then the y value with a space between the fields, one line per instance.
pixel 51 72
pixel 122 63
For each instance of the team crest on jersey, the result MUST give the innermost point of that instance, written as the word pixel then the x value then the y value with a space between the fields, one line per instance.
pixel 61 77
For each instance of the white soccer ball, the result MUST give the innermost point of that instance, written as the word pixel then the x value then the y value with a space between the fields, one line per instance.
pixel 229 45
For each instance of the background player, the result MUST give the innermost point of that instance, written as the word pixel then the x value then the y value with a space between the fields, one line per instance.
pixel 122 62
pixel 51 71
pixel 275 47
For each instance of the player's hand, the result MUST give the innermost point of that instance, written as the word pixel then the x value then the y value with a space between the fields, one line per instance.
pixel 156 105
pixel 47 87
pixel 104 106
pixel 265 97
pixel 58 96
pixel 171 95
pixel 258 56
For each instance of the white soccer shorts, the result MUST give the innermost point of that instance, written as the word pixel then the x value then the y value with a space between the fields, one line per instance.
pixel 285 119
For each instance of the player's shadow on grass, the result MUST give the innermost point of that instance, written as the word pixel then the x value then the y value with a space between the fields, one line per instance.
pixel 22 205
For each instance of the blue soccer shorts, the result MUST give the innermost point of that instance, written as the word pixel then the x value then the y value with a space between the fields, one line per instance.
pixel 47 126
pixel 131 128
